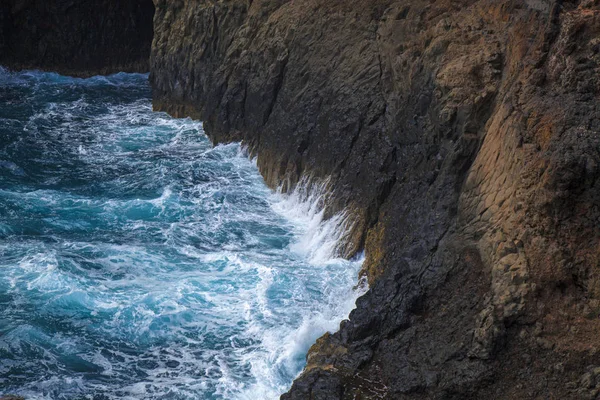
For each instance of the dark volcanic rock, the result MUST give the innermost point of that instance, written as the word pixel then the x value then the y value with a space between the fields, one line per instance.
pixel 76 37
pixel 462 135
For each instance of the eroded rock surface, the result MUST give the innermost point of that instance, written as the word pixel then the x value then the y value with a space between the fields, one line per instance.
pixel 74 37
pixel 463 135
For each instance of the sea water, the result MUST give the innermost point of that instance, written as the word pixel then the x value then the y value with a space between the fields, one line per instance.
pixel 137 261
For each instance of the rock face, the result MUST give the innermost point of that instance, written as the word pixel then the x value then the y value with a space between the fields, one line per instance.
pixel 464 138
pixel 76 37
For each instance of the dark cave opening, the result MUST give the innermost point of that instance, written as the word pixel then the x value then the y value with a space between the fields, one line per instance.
pixel 75 37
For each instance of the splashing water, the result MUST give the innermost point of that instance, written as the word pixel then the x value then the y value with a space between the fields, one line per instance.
pixel 139 262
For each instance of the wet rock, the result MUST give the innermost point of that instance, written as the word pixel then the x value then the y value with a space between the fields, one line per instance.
pixel 461 136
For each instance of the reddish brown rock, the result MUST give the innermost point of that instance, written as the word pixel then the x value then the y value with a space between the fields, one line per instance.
pixel 464 137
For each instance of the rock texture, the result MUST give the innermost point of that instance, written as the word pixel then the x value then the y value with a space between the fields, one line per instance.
pixel 463 136
pixel 76 37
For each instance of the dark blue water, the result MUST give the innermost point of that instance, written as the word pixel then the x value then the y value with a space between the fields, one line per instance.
pixel 139 262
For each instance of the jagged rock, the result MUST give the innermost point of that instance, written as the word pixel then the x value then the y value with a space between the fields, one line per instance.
pixel 463 138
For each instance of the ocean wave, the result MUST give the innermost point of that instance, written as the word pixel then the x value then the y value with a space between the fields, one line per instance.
pixel 137 261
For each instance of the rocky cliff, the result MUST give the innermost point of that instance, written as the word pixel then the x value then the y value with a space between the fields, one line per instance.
pixel 76 37
pixel 463 136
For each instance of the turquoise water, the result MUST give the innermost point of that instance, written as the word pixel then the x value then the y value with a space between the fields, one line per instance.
pixel 139 262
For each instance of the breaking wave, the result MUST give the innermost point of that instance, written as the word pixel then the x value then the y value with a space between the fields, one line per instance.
pixel 139 262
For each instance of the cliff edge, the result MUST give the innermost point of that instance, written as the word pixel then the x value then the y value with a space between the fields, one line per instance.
pixel 463 136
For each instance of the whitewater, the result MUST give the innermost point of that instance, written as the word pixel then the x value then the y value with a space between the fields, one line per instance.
pixel 137 261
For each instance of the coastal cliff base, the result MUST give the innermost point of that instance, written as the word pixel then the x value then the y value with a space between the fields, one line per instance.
pixel 463 138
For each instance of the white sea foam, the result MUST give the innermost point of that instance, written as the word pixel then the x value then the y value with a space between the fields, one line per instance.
pixel 283 347
pixel 305 206
pixel 162 265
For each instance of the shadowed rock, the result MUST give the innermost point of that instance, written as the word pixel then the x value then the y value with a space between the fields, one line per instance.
pixel 462 136
pixel 79 38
